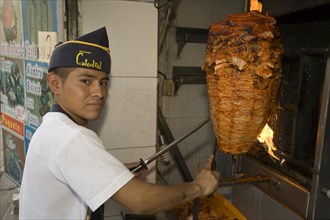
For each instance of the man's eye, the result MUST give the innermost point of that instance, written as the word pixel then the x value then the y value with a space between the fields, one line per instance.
pixel 86 81
pixel 105 83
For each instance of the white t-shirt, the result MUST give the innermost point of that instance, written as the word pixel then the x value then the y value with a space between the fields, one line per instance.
pixel 67 170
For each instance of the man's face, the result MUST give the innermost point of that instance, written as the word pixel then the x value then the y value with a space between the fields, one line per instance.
pixel 83 94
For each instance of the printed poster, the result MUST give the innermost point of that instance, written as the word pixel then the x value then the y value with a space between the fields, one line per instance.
pixel 12 87
pixel 13 147
pixel 47 42
pixel 28 33
pixel 39 98
pixel 28 131
pixel 11 38
pixel 39 16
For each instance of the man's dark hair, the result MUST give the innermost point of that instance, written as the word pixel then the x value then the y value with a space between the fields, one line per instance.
pixel 63 72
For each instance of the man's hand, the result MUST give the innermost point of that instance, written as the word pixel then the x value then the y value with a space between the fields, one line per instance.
pixel 207 179
pixel 132 165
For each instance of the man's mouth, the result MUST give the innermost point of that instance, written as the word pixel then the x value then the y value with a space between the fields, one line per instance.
pixel 96 104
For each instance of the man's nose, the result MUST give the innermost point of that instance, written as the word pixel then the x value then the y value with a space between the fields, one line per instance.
pixel 97 90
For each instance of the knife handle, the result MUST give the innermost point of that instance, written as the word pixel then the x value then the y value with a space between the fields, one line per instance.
pixel 138 168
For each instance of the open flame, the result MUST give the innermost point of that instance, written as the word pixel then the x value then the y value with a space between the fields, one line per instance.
pixel 255 5
pixel 266 138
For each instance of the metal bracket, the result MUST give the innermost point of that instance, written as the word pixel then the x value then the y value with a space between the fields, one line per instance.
pixel 187 75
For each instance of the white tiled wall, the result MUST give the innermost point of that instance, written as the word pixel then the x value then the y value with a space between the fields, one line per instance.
pixel 129 119
pixel 132 30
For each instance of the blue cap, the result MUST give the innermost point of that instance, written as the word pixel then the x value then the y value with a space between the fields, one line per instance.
pixel 88 51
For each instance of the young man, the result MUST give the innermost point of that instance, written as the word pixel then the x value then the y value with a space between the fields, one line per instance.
pixel 67 169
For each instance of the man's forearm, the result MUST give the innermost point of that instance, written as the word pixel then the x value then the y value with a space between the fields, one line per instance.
pixel 151 199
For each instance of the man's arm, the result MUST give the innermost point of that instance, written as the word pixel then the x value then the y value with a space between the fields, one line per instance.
pixel 147 198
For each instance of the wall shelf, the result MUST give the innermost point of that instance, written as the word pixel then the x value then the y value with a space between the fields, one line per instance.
pixel 190 35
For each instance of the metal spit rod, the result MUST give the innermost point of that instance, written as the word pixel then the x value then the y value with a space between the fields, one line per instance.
pixel 143 163
pixel 244 180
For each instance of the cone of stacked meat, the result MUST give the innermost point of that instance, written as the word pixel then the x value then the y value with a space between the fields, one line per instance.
pixel 243 67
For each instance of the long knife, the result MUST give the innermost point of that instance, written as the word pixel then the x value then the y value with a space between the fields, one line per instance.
pixel 143 163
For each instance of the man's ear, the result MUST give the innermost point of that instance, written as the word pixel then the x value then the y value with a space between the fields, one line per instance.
pixel 53 82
